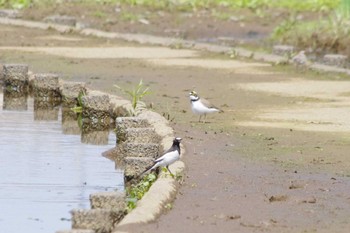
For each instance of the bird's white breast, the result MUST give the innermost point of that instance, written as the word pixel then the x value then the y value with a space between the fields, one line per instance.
pixel 169 158
pixel 199 108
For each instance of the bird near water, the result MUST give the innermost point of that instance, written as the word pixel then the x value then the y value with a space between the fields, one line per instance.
pixel 201 106
pixel 169 157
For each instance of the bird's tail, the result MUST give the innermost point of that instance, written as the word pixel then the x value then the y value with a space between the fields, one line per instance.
pixel 147 170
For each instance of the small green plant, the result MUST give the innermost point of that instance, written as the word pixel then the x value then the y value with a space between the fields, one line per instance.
pixel 15 4
pixel 284 27
pixel 137 191
pixel 136 95
pixel 169 206
pixel 79 107
pixel 344 8
pixel 99 14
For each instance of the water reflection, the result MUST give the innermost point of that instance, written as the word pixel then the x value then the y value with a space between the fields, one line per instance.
pixel 46 110
pixel 70 122
pixel 45 173
pixel 95 137
pixel 14 100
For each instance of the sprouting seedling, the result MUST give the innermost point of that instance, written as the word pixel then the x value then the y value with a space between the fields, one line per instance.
pixel 136 94
pixel 79 107
pixel 137 191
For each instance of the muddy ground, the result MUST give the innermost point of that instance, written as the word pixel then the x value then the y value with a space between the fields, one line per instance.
pixel 276 160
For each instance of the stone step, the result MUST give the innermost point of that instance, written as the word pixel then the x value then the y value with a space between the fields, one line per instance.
pixel 134 166
pixel 283 50
pixel 108 200
pixel 335 60
pixel 70 92
pixel 99 220
pixel 15 75
pixel 132 149
pixel 139 135
pixel 124 123
pixel 96 108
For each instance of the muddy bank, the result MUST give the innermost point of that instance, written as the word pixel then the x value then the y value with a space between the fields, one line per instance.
pixel 240 176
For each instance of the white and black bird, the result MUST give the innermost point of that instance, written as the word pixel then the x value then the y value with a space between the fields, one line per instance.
pixel 169 157
pixel 201 106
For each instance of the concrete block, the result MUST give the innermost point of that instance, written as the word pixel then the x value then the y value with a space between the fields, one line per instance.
pixel 134 166
pixel 8 13
pixel 283 50
pixel 108 200
pixel 335 60
pixel 96 108
pixel 145 150
pixel 141 135
pixel 99 220
pixel 15 74
pixel 131 122
pixel 46 86
pixel 120 107
pixel 123 123
pixel 96 101
pixel 70 92
pixel 61 19
pixel 130 149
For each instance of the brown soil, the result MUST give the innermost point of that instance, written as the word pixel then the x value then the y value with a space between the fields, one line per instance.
pixel 240 177
pixel 212 25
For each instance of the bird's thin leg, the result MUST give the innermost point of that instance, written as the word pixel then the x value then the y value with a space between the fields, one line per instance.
pixel 167 167
pixel 199 118
pixel 205 117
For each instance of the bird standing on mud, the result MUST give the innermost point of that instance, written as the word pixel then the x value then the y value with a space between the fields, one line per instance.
pixel 201 106
pixel 169 157
pixel 300 60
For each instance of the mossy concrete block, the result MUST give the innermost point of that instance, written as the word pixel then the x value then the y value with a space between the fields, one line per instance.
pixel 335 60
pixel 141 135
pixel 134 166
pixel 46 85
pixel 283 50
pixel 15 74
pixel 99 220
pixel 108 200
pixel 123 123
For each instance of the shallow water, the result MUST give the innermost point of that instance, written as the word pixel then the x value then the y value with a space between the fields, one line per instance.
pixel 47 167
